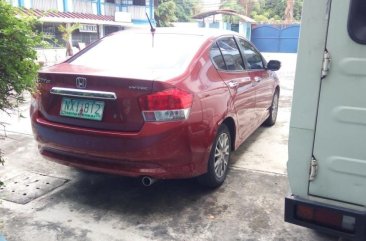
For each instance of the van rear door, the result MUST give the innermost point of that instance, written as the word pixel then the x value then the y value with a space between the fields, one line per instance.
pixel 340 136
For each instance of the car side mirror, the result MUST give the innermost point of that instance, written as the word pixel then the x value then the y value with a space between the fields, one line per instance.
pixel 274 65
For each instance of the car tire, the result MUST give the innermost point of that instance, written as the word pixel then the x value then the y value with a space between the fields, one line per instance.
pixel 218 162
pixel 273 111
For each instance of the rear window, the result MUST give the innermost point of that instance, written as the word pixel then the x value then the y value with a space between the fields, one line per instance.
pixel 134 51
pixel 357 21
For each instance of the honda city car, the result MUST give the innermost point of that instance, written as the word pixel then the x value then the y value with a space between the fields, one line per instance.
pixel 163 104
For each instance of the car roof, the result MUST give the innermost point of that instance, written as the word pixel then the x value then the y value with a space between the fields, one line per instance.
pixel 205 32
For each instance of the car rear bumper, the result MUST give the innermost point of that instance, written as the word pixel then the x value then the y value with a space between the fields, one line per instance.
pixel 161 151
pixel 358 231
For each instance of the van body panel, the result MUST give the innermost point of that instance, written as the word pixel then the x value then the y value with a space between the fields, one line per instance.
pixel 299 162
pixel 306 93
pixel 327 141
pixel 309 64
pixel 340 136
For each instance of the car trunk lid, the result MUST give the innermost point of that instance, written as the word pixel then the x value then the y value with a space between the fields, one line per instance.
pixel 87 98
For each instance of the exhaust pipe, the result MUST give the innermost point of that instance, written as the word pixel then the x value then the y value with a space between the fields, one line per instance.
pixel 147 181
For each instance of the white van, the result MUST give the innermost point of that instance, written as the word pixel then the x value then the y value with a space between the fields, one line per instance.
pixel 327 144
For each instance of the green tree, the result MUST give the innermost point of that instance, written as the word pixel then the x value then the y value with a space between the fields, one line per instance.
pixel 169 11
pixel 185 9
pixel 232 5
pixel 269 10
pixel 165 13
pixel 274 10
pixel 298 9
pixel 66 36
pixel 18 66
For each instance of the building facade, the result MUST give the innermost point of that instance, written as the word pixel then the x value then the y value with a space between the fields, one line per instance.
pixel 97 18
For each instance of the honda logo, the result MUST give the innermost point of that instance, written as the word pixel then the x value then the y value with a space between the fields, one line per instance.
pixel 81 82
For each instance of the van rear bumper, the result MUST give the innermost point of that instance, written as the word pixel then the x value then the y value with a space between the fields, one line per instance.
pixel 353 232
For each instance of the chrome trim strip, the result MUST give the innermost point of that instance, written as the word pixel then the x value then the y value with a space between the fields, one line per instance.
pixel 84 93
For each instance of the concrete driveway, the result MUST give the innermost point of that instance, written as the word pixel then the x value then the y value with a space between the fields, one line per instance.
pixel 46 201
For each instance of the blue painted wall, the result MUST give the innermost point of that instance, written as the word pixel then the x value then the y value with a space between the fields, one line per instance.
pixel 276 38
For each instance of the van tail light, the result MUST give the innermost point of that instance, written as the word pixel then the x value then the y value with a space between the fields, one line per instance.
pixel 326 217
pixel 167 105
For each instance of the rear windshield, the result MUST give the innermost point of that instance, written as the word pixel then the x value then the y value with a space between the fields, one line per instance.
pixel 139 51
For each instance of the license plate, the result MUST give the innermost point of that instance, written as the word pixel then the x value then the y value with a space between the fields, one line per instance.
pixel 82 108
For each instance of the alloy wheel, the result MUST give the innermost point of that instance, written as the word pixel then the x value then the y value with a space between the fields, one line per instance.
pixel 222 154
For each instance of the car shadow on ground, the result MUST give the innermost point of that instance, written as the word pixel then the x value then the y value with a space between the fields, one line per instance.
pixel 128 195
pixel 182 209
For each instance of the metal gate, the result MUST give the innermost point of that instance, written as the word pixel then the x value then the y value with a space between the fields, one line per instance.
pixel 276 38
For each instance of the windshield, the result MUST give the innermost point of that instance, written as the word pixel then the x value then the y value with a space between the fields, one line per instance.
pixel 135 51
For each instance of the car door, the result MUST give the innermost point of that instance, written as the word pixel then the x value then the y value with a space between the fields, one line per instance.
pixel 340 136
pixel 262 81
pixel 228 61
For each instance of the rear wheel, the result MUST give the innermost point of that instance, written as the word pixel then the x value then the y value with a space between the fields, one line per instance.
pixel 219 159
pixel 273 110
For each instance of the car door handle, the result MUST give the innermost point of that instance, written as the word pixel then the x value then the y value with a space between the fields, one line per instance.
pixel 257 79
pixel 233 84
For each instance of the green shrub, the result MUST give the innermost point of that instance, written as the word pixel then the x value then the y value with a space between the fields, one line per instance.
pixel 18 66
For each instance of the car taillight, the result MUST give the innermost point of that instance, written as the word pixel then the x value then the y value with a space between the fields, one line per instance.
pixel 167 105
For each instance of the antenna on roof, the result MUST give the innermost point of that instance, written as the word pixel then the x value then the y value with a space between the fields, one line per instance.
pixel 152 29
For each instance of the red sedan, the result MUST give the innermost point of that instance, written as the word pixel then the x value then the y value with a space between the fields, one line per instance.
pixel 162 105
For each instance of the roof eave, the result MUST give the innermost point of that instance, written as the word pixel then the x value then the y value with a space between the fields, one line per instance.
pixel 81 20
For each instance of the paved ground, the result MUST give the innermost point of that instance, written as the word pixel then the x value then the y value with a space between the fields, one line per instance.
pixel 54 202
